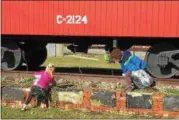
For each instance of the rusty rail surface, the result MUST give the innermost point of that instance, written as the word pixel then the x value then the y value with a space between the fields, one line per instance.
pixel 15 75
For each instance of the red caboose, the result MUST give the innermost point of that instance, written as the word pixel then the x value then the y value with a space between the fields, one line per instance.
pixel 33 24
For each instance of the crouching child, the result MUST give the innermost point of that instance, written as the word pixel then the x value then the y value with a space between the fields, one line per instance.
pixel 133 68
pixel 40 88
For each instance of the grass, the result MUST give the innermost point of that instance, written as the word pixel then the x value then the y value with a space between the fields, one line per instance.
pixel 36 113
pixel 24 83
pixel 71 61
pixel 170 91
pixel 146 91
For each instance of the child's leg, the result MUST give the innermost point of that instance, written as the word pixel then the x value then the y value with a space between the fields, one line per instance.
pixel 38 102
pixel 44 103
pixel 49 97
pixel 130 85
pixel 27 101
pixel 43 98
pixel 128 79
pixel 47 104
pixel 31 95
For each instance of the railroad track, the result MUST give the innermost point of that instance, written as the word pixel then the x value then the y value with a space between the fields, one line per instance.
pixel 19 75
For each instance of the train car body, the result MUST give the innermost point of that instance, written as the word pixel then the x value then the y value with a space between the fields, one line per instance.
pixel 87 22
pixel 91 18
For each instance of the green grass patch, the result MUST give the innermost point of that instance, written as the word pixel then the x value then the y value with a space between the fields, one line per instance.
pixel 146 91
pixel 71 61
pixel 36 113
pixel 171 91
pixel 164 90
pixel 24 83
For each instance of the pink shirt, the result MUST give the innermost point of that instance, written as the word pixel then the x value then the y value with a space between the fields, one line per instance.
pixel 43 79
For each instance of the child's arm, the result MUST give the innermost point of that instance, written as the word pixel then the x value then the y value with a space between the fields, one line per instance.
pixel 124 70
pixel 52 82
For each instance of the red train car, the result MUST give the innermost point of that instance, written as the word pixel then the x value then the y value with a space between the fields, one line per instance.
pixel 26 24
pixel 91 18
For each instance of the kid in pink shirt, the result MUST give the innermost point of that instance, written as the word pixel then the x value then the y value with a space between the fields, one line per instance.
pixel 40 87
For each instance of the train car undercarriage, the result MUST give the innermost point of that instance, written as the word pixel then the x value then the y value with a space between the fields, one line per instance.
pixel 162 58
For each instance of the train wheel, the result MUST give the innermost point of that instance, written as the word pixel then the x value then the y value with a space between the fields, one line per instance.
pixel 35 57
pixel 152 60
pixel 11 56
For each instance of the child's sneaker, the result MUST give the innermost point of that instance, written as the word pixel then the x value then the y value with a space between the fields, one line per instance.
pixel 23 107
